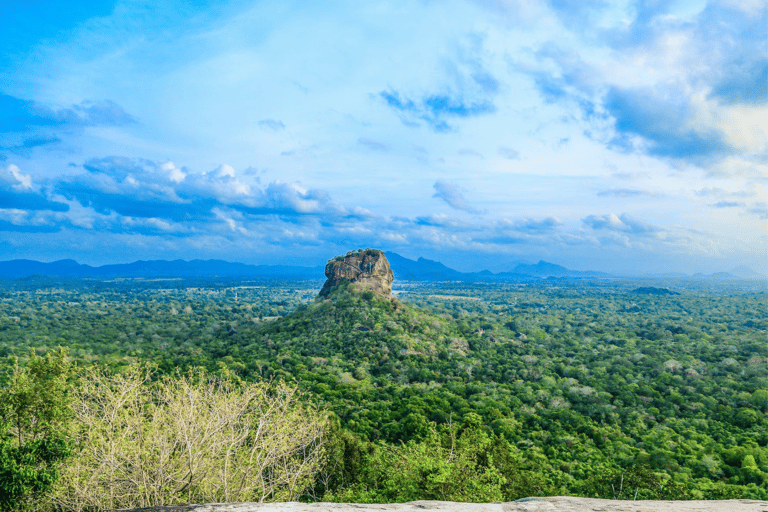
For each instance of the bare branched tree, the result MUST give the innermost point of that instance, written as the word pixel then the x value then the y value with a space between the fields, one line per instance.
pixel 193 438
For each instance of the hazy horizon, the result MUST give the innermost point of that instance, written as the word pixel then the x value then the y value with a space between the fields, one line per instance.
pixel 625 137
pixel 740 272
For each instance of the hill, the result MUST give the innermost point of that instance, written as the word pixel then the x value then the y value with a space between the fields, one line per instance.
pixel 458 390
pixel 405 269
pixel 156 268
pixel 423 269
pixel 429 270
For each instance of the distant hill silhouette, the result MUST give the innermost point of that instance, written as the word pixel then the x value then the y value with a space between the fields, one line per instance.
pixel 546 269
pixel 157 268
pixel 404 269
pixel 424 269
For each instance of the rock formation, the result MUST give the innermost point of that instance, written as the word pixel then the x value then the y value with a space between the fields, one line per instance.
pixel 367 269
pixel 554 504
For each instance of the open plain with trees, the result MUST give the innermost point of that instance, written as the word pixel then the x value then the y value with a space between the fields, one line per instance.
pixel 174 391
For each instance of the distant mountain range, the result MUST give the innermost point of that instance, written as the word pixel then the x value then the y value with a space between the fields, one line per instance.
pixel 157 268
pixel 424 269
pixel 404 269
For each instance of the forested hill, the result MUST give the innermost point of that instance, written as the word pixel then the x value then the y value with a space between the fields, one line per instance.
pixel 474 391
pixel 577 384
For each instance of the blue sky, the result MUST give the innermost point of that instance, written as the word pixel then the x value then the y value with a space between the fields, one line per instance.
pixel 618 136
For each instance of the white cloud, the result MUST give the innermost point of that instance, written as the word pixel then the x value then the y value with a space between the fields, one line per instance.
pixel 556 96
pixel 23 181
pixel 452 194
pixel 175 174
pixel 624 223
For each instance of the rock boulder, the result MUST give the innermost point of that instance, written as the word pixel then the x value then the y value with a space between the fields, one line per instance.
pixel 367 269
pixel 553 504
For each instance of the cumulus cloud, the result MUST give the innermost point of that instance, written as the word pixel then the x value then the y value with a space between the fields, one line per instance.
pixel 684 90
pixel 537 225
pixel 443 221
pixel 18 191
pixel 138 196
pixel 452 195
pixel 129 187
pixel 26 227
pixel 744 83
pixel 290 199
pixel 15 179
pixel 520 231
pixel 158 204
pixel 143 189
pixel 467 91
pixel 435 109
pixel 664 125
pixel 28 124
pixel 101 113
pixel 623 223
pixel 17 114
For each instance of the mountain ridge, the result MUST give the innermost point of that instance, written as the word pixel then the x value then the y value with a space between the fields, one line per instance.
pixel 405 269
pixel 155 268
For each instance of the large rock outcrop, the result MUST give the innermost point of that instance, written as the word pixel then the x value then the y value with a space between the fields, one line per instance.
pixel 554 504
pixel 367 269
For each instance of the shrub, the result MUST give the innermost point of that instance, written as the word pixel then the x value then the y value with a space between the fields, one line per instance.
pixel 190 438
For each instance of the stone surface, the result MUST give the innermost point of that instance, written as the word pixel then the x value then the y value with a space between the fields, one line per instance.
pixel 555 504
pixel 367 269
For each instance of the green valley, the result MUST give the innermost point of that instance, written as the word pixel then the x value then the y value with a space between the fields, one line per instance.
pixel 457 390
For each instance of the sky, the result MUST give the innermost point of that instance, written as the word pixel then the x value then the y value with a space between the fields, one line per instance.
pixel 628 137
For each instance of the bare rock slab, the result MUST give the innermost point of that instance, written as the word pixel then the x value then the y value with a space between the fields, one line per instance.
pixel 554 504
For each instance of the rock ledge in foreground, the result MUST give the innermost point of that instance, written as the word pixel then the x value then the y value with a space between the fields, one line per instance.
pixel 554 504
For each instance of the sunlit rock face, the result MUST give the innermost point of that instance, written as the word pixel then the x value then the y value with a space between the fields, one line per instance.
pixel 554 504
pixel 367 269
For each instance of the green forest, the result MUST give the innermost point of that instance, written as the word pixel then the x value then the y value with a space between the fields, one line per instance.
pixel 611 388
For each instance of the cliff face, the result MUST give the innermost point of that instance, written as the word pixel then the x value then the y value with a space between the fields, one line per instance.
pixel 367 269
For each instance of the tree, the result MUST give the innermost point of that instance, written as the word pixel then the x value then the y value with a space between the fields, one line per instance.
pixel 35 416
pixel 638 482
pixel 190 438
pixel 453 465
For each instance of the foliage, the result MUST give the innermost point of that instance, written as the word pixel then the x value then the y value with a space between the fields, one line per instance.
pixel 34 425
pixel 584 380
pixel 638 482
pixel 188 438
pixel 447 465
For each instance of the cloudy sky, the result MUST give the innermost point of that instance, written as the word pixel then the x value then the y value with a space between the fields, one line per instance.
pixel 627 136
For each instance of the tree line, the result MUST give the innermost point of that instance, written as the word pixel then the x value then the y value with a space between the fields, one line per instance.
pixel 531 388
pixel 119 439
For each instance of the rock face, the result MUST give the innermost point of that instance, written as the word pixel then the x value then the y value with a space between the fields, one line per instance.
pixel 367 268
